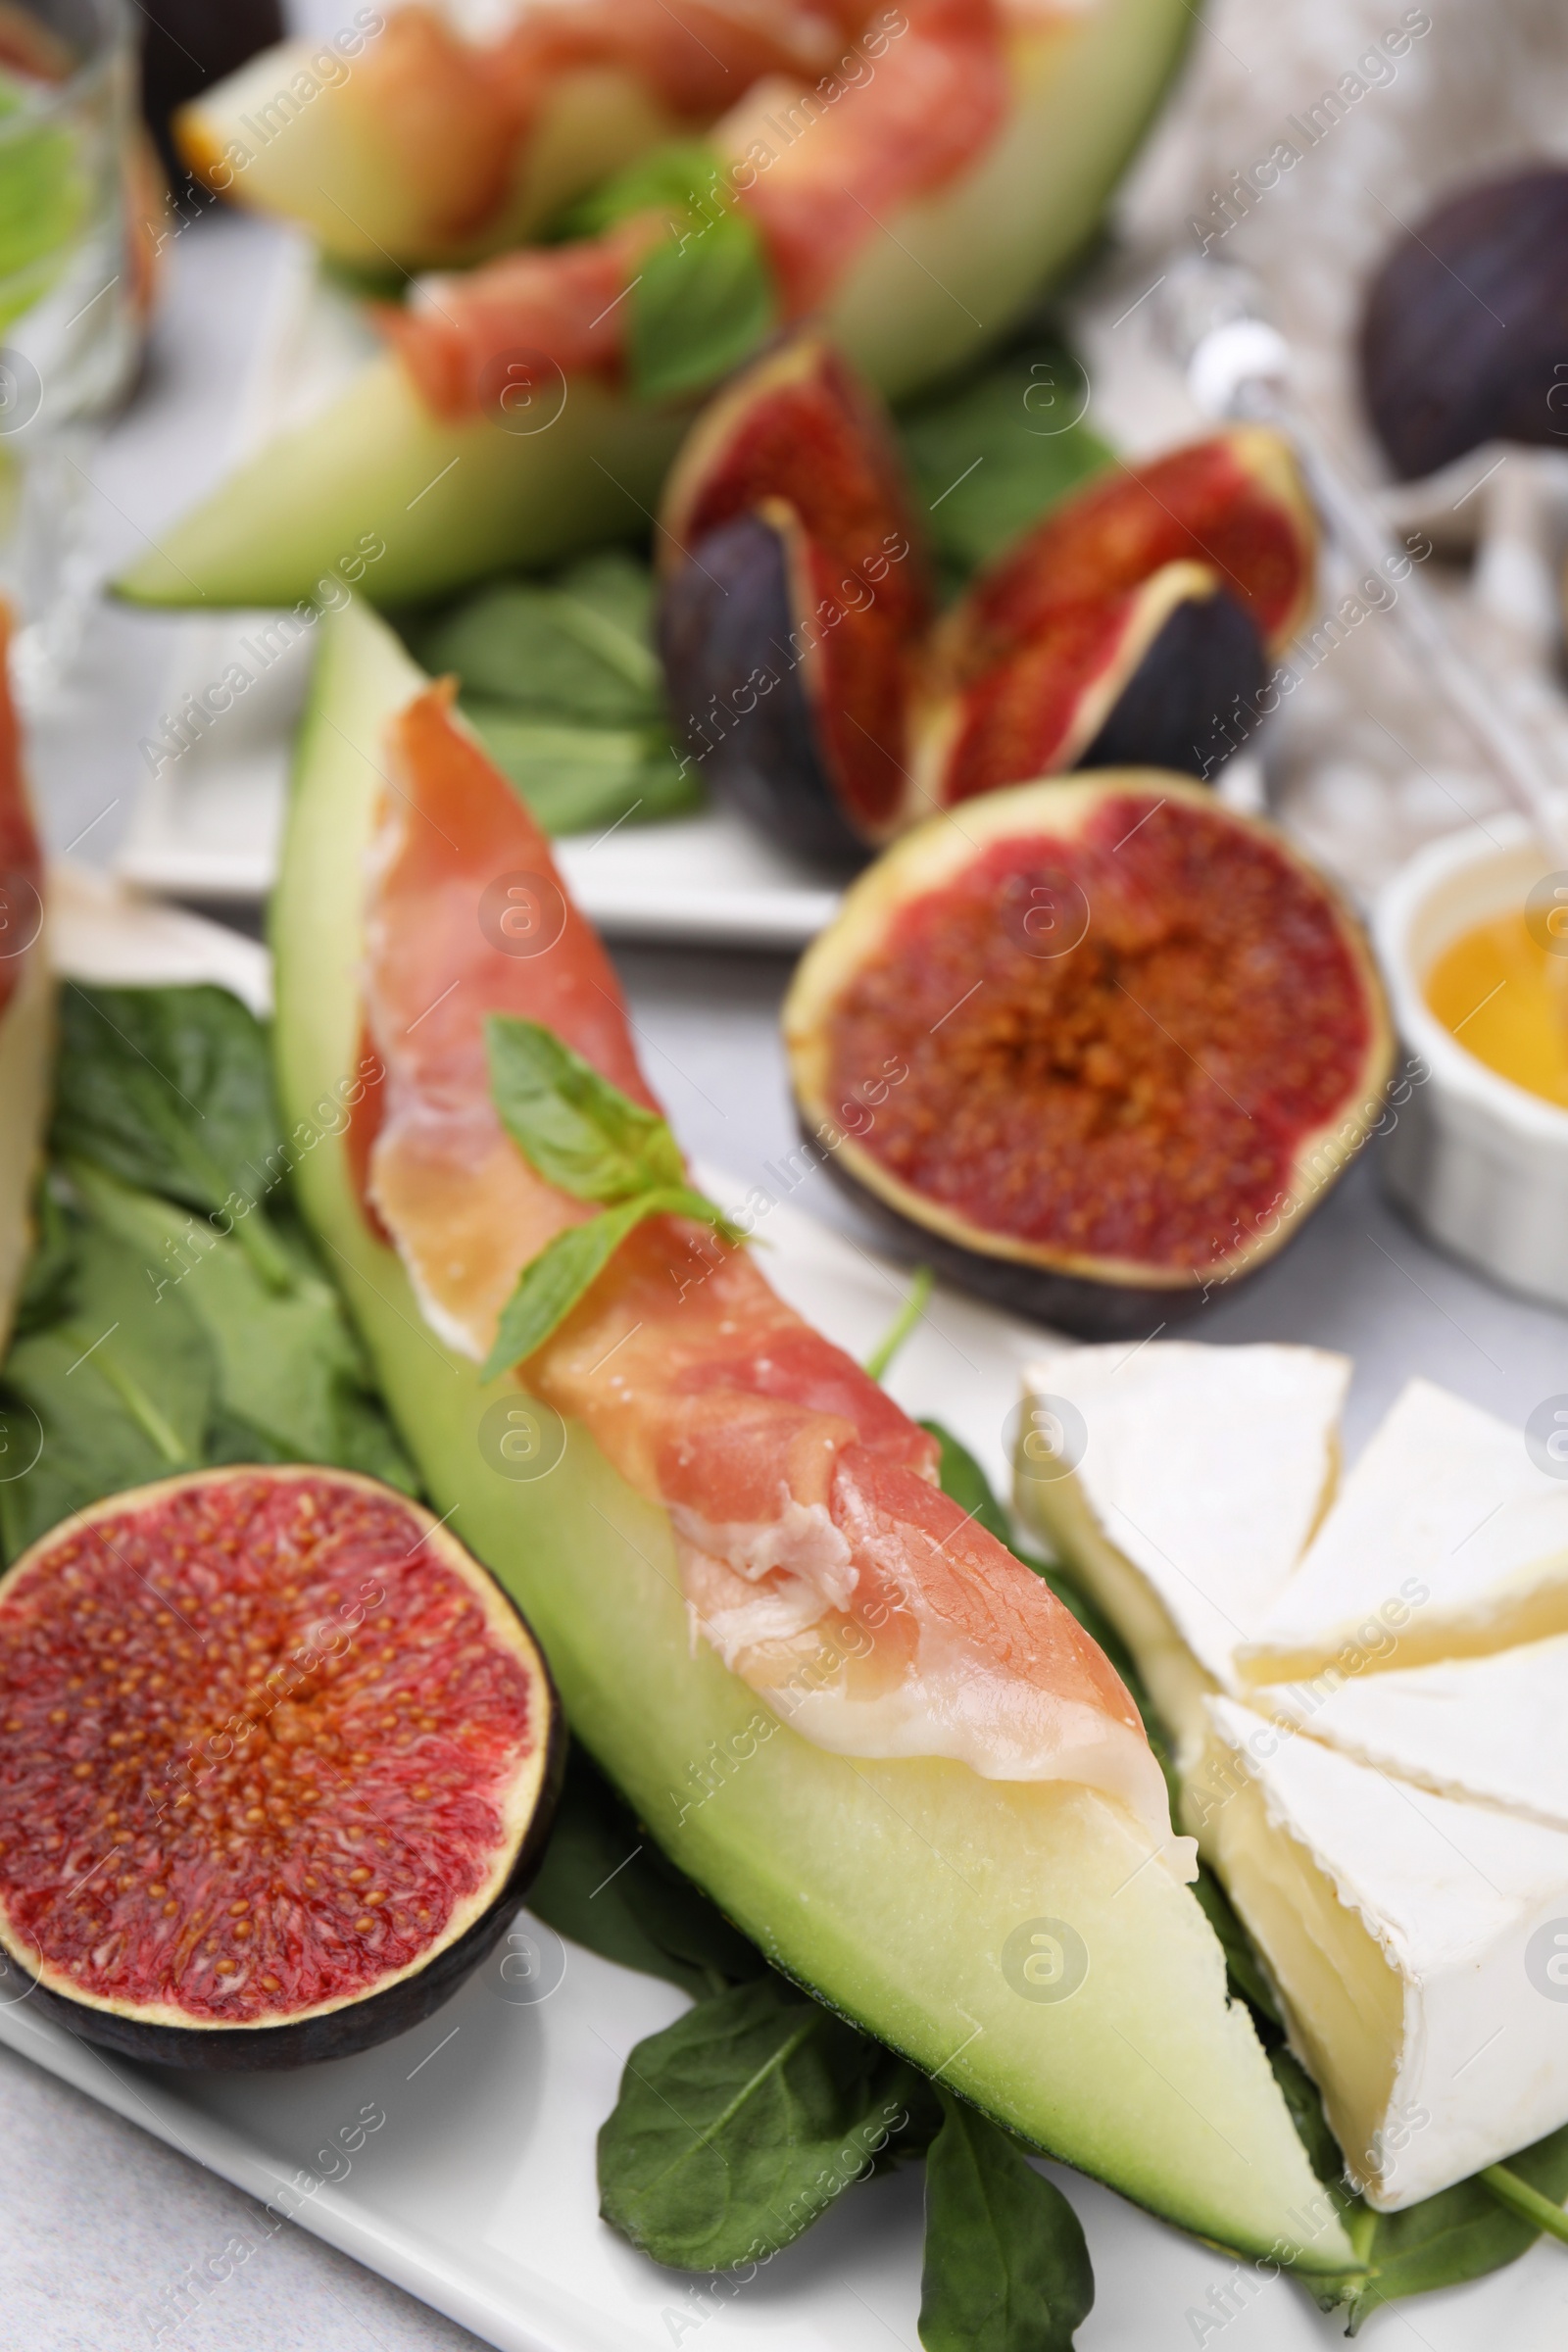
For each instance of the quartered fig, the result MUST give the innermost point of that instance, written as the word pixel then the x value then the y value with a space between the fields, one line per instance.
pixel 1140 679
pixel 1464 338
pixel 279 1761
pixel 1139 1039
pixel 795 625
pixel 794 593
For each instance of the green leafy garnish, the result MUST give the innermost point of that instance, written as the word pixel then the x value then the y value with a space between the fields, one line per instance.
pixel 741 2123
pixel 988 456
pixel 880 1361
pixel 1005 2267
pixel 152 1337
pixel 588 1139
pixel 606 1884
pixel 704 300
pixel 560 681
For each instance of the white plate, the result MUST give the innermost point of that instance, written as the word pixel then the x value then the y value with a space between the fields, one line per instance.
pixel 208 823
pixel 478 2192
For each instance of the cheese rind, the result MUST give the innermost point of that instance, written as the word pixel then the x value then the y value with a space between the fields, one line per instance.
pixel 1200 1475
pixel 1446 1540
pixel 1412 1939
pixel 1492 1729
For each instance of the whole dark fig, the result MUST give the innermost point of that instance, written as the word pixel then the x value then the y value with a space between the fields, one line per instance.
pixel 1464 338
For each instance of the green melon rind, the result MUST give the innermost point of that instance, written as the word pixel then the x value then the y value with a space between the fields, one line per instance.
pixel 888 1888
pixel 934 287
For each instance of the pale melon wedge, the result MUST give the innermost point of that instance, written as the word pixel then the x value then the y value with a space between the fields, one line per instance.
pixel 906 1894
pixel 447 502
pixel 939 282
pixel 1446 1540
pixel 1203 1474
pixel 299 132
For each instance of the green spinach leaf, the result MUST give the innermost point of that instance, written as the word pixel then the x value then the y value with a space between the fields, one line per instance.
pixel 1005 2266
pixel 119 1391
pixel 171 1088
pixel 578 779
pixel 289 1372
pixel 741 2123
pixel 604 1884
pixel 1463 2232
pixel 991 456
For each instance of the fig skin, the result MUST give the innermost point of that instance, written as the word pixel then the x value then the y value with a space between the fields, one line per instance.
pixel 1206 656
pixel 1464 333
pixel 722 618
pixel 817 697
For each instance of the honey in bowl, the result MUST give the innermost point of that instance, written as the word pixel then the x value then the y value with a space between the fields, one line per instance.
pixel 1505 996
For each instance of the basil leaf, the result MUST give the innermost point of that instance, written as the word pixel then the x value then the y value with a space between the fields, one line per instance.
pixel 604 1884
pixel 551 1284
pixel 121 1387
pixel 171 1088
pixel 675 178
pixel 702 304
pixel 289 1369
pixel 739 2126
pixel 989 459
pixel 1248 1980
pixel 1005 2266
pixel 580 1132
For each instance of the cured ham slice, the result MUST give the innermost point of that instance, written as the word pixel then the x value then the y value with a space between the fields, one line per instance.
pixel 817 1554
pixel 815 159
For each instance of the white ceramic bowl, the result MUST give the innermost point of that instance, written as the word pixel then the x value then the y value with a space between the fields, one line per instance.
pixel 1479 1164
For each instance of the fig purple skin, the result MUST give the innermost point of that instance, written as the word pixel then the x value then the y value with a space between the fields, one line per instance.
pixel 725 615
pixel 1174 708
pixel 1464 338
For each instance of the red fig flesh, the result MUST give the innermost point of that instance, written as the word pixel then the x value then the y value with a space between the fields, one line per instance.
pixel 796 616
pixel 278 1759
pixel 1139 1039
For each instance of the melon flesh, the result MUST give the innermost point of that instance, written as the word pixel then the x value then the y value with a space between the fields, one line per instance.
pixel 940 282
pixel 897 1890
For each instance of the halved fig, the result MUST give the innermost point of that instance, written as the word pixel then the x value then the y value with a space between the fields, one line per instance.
pixel 279 1761
pixel 795 594
pixel 1092 1048
pixel 1147 679
pixel 796 631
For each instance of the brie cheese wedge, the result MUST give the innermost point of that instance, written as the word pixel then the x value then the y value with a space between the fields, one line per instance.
pixel 1493 1730
pixel 1419 1947
pixel 1446 1540
pixel 1180 1483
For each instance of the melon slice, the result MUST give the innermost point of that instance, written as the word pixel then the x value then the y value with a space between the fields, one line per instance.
pixel 942 279
pixel 1183 1496
pixel 1410 1938
pixel 1446 1540
pixel 904 1891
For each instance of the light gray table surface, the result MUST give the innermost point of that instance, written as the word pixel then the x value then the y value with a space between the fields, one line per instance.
pixel 97 2221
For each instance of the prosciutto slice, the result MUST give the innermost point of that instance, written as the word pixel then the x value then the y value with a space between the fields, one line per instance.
pixel 818 1556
